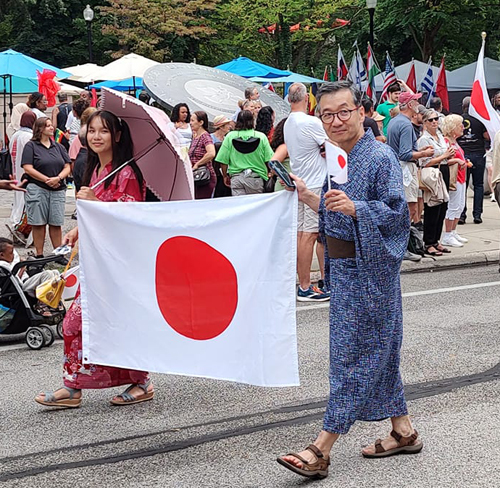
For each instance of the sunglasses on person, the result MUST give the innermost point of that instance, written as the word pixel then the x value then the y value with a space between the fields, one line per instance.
pixel 434 119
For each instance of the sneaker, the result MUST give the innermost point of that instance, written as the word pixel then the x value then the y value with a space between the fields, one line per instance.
pixel 492 198
pixel 409 256
pixel 459 238
pixel 70 186
pixel 478 220
pixel 451 241
pixel 312 294
pixel 322 286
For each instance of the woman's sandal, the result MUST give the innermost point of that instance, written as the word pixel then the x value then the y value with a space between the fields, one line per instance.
pixel 406 445
pixel 50 399
pixel 433 253
pixel 317 469
pixel 126 398
pixel 441 248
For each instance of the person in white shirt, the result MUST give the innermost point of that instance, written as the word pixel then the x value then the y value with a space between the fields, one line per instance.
pixel 304 139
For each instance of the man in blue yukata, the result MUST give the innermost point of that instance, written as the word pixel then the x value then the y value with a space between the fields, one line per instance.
pixel 366 225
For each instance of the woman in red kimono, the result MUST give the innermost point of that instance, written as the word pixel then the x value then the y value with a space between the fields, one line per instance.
pixel 109 146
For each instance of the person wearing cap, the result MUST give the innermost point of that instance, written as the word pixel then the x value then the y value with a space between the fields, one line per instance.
pixel 401 137
pixel 222 126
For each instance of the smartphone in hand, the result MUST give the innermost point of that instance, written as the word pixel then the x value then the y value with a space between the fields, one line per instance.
pixel 281 173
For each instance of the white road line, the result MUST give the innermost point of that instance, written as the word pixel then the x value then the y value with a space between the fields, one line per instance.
pixel 318 306
pixel 434 291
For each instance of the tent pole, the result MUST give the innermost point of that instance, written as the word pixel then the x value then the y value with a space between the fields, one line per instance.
pixel 4 78
pixel 11 105
pixel 135 93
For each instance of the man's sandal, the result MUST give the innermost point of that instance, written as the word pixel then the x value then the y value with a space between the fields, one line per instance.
pixel 50 399
pixel 406 445
pixel 126 398
pixel 317 469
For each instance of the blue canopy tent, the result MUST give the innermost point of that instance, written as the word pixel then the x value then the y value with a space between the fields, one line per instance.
pixel 133 83
pixel 247 68
pixel 293 78
pixel 15 66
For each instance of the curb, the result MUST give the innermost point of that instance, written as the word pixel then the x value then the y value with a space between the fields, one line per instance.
pixel 478 258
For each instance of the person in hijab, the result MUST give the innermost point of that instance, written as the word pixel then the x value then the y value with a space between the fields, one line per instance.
pixel 15 119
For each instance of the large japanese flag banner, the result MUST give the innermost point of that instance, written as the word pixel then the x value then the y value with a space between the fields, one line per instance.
pixel 199 288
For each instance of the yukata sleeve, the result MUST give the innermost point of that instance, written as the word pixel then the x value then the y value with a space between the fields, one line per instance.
pixel 382 224
pixel 128 188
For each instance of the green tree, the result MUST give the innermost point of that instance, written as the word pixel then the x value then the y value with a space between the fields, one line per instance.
pixel 163 30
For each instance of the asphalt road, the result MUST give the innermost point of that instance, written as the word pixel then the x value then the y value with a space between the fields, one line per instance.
pixel 205 433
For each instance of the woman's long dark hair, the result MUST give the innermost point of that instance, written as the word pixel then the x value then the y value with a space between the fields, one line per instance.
pixel 123 150
pixel 264 121
pixel 244 121
pixel 33 99
pixel 176 116
pixel 278 135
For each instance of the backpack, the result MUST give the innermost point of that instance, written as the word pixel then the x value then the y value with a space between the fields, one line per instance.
pixel 415 242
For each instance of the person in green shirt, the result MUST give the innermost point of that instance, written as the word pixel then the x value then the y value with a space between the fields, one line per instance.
pixel 392 101
pixel 243 156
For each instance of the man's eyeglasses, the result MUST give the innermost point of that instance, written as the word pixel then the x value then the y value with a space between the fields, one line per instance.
pixel 343 115
pixel 434 119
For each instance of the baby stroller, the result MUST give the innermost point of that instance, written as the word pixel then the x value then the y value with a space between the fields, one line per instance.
pixel 18 312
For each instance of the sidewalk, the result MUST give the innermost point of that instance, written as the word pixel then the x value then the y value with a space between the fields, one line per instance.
pixel 483 245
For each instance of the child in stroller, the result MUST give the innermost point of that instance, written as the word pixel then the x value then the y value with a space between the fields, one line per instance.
pixel 20 311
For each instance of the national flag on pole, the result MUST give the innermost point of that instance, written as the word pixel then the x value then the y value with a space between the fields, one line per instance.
pixel 427 84
pixel 313 89
pixel 342 70
pixel 441 89
pixel 373 70
pixel 480 104
pixel 390 76
pixel 411 81
pixel 269 86
pixel 325 74
pixel 332 76
pixel 189 287
pixel 357 71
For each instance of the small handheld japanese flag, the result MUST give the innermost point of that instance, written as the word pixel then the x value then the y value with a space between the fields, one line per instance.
pixel 336 162
pixel 199 288
pixel 72 283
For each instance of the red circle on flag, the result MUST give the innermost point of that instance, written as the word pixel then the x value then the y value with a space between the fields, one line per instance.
pixel 196 288
pixel 477 100
pixel 71 281
pixel 342 161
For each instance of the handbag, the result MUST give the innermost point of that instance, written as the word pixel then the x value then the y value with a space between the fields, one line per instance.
pixel 201 176
pixel 453 176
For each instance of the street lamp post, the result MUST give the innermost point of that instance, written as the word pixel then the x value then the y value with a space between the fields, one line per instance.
pixel 370 5
pixel 88 15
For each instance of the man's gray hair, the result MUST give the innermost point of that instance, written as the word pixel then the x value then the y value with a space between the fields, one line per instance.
pixel 297 93
pixel 249 91
pixel 336 86
pixel 62 96
pixel 466 104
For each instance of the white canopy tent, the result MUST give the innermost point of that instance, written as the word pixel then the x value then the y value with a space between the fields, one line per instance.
pixel 462 78
pixel 403 70
pixel 128 66
pixel 82 72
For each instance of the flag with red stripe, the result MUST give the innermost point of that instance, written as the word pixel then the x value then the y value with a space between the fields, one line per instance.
pixel 342 69
pixel 390 76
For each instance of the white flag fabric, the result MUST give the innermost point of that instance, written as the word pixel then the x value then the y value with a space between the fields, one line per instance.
pixel 199 288
pixel 480 105
pixel 336 162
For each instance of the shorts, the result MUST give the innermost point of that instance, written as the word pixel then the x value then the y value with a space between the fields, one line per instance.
pixel 456 203
pixel 410 181
pixel 308 220
pixel 489 159
pixel 44 206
